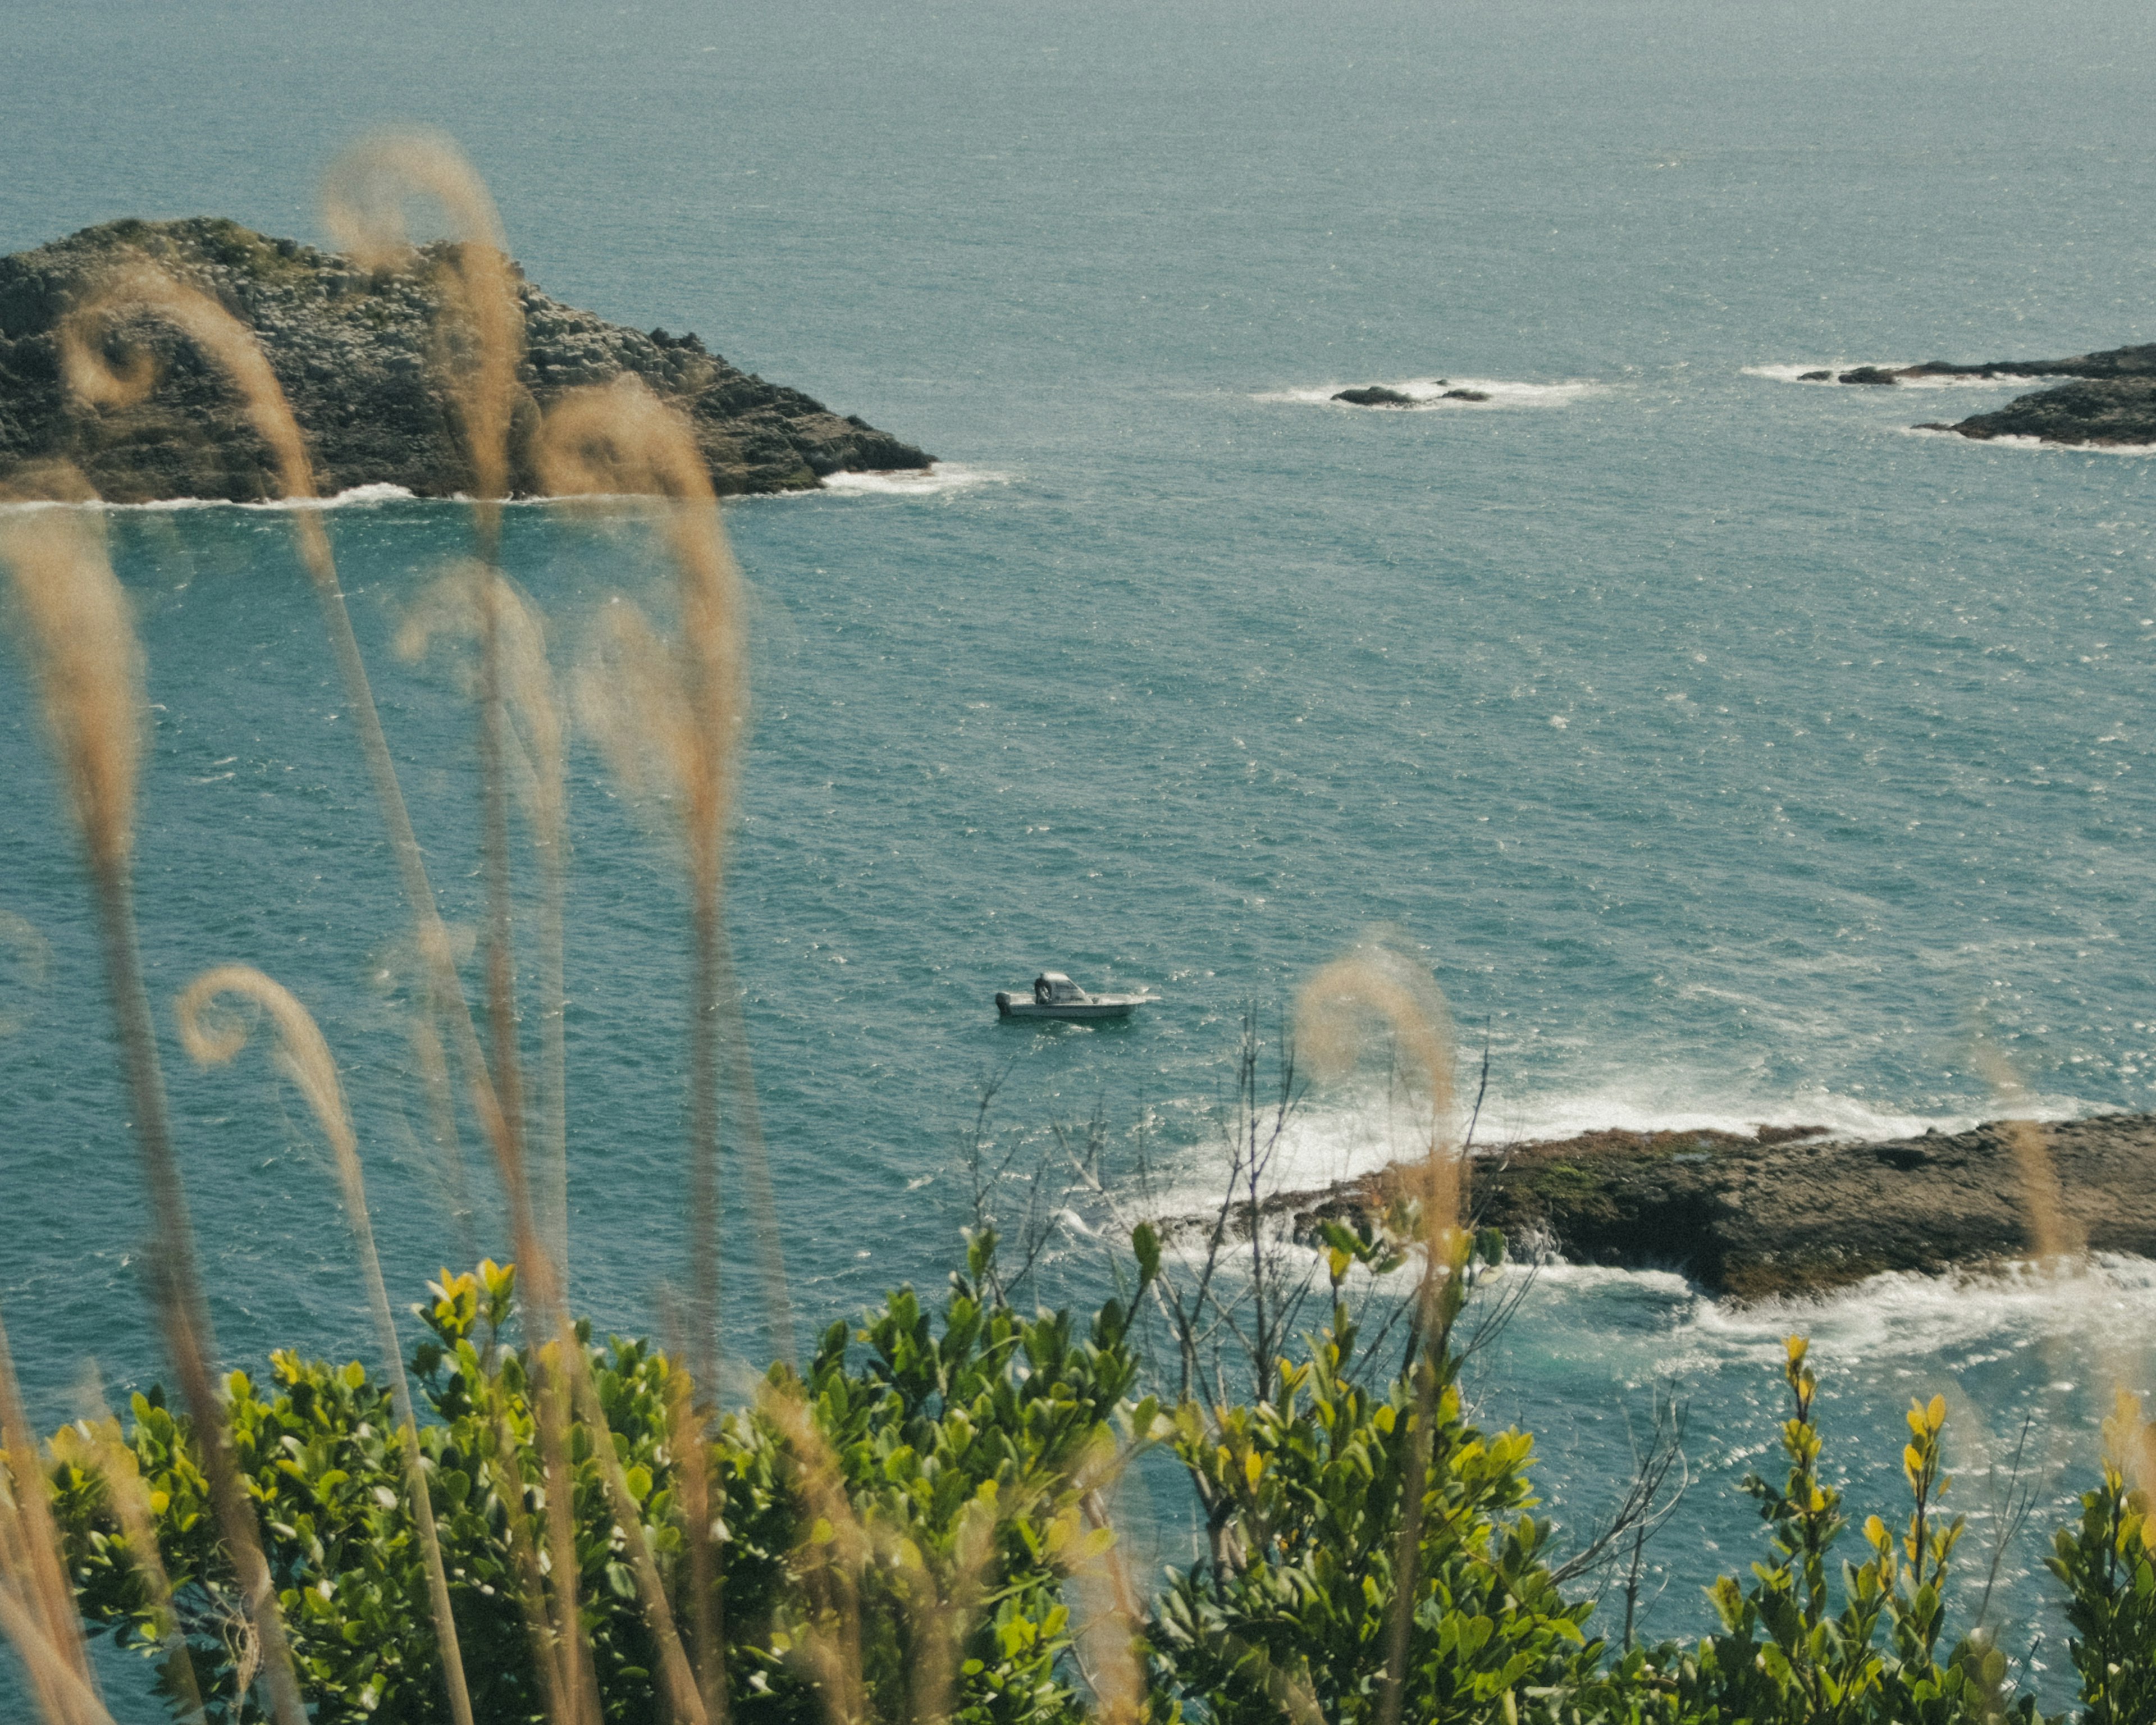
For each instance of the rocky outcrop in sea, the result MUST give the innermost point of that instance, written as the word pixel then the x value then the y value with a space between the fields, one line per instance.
pixel 354 351
pixel 2112 401
pixel 1789 1209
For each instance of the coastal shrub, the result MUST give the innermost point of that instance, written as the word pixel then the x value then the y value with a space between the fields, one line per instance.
pixel 2108 1562
pixel 317 1447
pixel 904 1521
pixel 1783 1652
pixel 901 1522
pixel 1307 1484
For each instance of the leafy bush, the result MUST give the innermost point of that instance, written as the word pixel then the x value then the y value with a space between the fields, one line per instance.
pixel 2109 1564
pixel 1784 1654
pixel 907 1526
pixel 1307 1486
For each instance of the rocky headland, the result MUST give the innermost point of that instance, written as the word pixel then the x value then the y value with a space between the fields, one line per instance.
pixel 1789 1209
pixel 2111 400
pixel 354 351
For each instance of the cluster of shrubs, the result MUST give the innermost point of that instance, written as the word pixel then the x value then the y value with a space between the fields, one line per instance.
pixel 914 1527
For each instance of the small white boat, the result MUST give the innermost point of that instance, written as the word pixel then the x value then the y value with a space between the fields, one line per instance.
pixel 1056 996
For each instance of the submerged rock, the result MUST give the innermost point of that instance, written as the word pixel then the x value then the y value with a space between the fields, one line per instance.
pixel 355 352
pixel 1788 1211
pixel 1866 374
pixel 1375 396
pixel 1464 395
pixel 1816 377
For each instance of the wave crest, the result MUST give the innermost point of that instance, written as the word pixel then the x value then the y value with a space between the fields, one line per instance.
pixel 1430 393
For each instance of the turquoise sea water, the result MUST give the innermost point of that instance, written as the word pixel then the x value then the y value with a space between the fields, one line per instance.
pixel 1730 752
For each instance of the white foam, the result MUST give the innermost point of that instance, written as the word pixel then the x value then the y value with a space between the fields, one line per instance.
pixel 357 496
pixel 2033 442
pixel 1798 371
pixel 1674 1105
pixel 1904 1314
pixel 944 477
pixel 1350 1132
pixel 1426 392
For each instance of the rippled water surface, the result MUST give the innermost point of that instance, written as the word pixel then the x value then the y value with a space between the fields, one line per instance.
pixel 1732 752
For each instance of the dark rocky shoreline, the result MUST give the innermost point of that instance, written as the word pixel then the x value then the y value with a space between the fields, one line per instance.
pixel 1789 1209
pixel 2111 402
pixel 353 351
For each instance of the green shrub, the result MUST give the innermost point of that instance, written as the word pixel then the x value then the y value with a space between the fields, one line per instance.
pixel 2109 1564
pixel 902 1524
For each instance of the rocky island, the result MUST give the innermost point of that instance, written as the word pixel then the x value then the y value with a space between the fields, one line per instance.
pixel 2111 400
pixel 353 350
pixel 1788 1209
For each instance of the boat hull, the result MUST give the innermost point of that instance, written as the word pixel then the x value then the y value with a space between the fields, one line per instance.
pixel 1084 1011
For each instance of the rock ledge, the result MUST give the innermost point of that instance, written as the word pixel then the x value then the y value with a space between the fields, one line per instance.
pixel 1788 1211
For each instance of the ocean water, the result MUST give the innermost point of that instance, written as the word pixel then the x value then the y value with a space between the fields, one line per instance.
pixel 1730 752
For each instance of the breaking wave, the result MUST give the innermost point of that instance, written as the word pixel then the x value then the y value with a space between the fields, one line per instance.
pixel 1430 392
pixel 2034 443
pixel 358 497
pixel 944 477
pixel 1800 370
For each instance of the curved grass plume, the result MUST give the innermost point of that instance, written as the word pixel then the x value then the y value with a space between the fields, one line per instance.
pixel 1333 1016
pixel 479 345
pixel 88 668
pixel 305 1058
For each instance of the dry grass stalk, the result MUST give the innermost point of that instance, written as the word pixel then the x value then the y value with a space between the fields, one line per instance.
pixel 562 1699
pixel 462 602
pixel 76 628
pixel 707 1646
pixel 364 198
pixel 480 347
pixel 64 1696
pixel 1108 1643
pixel 830 1643
pixel 940 1610
pixel 683 1692
pixel 2057 1242
pixel 34 955
pixel 424 1028
pixel 671 715
pixel 306 1060
pixel 30 1557
pixel 89 670
pixel 2131 1441
pixel 140 289
pixel 96 1440
pixel 1377 981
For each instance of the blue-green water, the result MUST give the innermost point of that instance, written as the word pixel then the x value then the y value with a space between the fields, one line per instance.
pixel 1729 751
